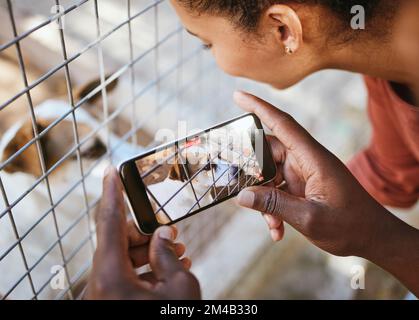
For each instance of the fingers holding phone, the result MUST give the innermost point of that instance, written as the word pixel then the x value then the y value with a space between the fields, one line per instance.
pixel 121 249
pixel 321 198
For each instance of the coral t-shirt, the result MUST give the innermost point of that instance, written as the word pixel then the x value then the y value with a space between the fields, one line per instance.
pixel 389 168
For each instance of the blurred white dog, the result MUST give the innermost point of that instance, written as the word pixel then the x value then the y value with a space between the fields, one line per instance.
pixel 23 172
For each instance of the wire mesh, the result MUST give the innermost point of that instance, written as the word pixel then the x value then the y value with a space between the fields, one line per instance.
pixel 226 176
pixel 90 83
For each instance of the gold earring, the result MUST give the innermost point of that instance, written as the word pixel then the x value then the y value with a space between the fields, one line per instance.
pixel 288 50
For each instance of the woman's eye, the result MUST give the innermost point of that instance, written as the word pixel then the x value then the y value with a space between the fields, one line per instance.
pixel 207 46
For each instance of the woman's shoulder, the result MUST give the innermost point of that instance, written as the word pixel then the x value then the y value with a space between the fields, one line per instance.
pixel 378 90
pixel 383 92
pixel 375 83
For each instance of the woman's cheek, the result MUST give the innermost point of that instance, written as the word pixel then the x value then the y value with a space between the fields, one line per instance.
pixel 230 64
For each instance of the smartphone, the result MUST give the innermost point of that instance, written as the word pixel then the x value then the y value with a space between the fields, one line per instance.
pixel 184 177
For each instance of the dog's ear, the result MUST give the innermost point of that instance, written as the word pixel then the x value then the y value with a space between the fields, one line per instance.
pixel 28 161
pixel 95 150
pixel 177 171
pixel 85 89
pixel 55 144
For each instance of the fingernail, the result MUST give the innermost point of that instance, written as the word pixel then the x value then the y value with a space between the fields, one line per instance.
pixel 246 198
pixel 276 235
pixel 268 219
pixel 166 233
pixel 108 170
pixel 180 249
pixel 187 263
pixel 238 94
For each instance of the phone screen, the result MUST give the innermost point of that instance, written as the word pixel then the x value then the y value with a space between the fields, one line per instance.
pixel 195 173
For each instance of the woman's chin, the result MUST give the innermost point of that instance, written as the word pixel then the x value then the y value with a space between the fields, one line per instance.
pixel 282 86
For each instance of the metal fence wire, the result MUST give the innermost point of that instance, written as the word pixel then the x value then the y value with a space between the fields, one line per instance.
pixel 85 83
pixel 230 187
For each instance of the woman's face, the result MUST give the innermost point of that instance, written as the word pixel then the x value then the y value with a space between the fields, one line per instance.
pixel 260 56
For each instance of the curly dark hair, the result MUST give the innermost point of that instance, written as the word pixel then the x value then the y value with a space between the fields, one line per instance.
pixel 246 13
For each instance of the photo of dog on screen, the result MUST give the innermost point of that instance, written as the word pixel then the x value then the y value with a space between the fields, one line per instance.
pixel 202 170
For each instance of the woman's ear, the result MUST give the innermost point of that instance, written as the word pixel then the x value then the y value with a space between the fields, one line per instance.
pixel 288 27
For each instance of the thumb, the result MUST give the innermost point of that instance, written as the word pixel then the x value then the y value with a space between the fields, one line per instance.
pixel 291 209
pixel 163 259
pixel 112 234
pixel 291 134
